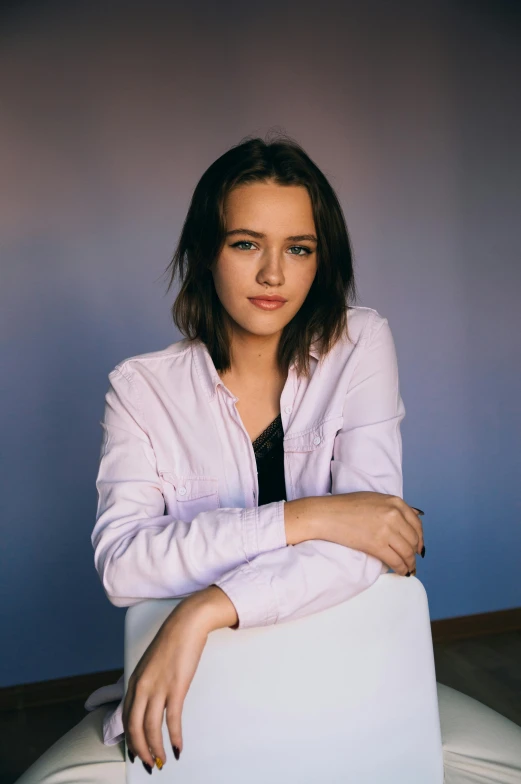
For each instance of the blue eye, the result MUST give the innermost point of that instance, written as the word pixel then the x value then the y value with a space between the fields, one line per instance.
pixel 307 251
pixel 242 242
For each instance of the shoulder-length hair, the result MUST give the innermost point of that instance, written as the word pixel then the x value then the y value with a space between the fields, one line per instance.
pixel 197 310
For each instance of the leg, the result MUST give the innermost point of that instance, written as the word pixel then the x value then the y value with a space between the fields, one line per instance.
pixel 80 756
pixel 480 746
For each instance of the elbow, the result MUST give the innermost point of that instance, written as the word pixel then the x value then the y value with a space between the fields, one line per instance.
pixel 125 585
pixel 119 589
pixel 115 593
pixel 122 601
pixel 116 578
pixel 115 582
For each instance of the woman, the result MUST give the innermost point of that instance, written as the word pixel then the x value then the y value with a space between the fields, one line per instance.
pixel 265 443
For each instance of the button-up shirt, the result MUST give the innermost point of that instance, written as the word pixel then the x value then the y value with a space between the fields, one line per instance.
pixel 178 486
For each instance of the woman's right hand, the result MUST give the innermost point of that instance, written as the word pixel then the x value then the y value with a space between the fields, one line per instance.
pixel 375 523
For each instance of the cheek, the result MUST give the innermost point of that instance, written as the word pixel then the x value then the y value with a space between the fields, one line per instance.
pixel 303 278
pixel 312 273
pixel 230 275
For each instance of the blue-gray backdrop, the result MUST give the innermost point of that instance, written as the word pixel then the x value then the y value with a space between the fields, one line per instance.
pixel 110 112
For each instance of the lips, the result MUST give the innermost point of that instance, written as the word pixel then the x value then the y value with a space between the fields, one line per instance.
pixel 269 299
pixel 266 304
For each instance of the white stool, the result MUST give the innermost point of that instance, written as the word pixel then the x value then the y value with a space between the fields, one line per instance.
pixel 346 695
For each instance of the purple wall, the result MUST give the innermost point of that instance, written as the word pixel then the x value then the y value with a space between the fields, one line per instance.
pixel 109 113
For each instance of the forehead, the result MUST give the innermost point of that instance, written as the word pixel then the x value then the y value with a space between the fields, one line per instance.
pixel 260 201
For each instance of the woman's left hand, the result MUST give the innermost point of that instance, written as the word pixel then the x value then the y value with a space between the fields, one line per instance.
pixel 164 673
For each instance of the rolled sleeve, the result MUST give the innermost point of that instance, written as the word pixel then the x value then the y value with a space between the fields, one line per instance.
pixel 250 590
pixel 303 579
pixel 263 528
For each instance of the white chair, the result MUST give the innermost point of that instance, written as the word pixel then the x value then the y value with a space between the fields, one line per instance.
pixel 344 696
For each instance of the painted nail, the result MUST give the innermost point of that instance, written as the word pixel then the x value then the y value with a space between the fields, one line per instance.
pixel 159 762
pixel 413 572
pixel 147 767
pixel 176 751
pixel 423 552
pixel 131 756
pixel 408 574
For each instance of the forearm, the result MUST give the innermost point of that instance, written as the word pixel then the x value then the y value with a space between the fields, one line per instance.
pixel 302 518
pixel 211 607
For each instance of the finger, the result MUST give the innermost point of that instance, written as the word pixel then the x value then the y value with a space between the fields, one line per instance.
pixel 395 561
pixel 152 724
pixel 412 518
pixel 127 706
pixel 408 532
pixel 136 733
pixel 174 708
pixel 404 550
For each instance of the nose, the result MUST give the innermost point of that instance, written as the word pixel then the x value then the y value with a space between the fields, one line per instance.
pixel 271 269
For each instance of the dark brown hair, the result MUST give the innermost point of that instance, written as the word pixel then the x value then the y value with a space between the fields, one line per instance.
pixel 197 310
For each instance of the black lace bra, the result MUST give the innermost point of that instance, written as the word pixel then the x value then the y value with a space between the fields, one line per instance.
pixel 269 455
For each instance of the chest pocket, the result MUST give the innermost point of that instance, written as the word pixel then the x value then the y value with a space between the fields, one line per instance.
pixel 187 495
pixel 309 456
pixel 322 436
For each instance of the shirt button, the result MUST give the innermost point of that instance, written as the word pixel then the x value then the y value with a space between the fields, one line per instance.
pixel 288 409
pixel 182 490
pixel 316 440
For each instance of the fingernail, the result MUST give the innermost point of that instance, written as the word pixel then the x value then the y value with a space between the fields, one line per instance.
pixel 418 510
pixel 408 574
pixel 423 552
pixel 413 572
pixel 176 751
pixel 159 762
pixel 147 767
pixel 131 756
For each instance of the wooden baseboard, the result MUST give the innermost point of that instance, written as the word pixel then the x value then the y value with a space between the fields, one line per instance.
pixel 466 626
pixel 78 687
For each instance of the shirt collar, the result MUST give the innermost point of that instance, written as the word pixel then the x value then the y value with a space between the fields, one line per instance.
pixel 208 373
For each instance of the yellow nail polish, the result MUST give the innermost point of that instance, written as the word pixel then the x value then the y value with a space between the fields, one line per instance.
pixel 159 762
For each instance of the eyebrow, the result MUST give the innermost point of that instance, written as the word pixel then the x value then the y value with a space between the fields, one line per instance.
pixel 258 235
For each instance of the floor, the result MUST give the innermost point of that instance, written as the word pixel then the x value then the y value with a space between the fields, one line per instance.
pixel 487 669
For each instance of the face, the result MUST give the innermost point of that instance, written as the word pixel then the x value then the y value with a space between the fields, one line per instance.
pixel 270 248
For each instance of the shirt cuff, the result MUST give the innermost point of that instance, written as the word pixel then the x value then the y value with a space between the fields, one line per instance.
pixel 264 529
pixel 252 595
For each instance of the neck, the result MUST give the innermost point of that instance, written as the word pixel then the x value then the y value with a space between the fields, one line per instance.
pixel 254 358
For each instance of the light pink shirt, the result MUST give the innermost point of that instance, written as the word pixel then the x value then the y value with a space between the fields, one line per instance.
pixel 177 482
